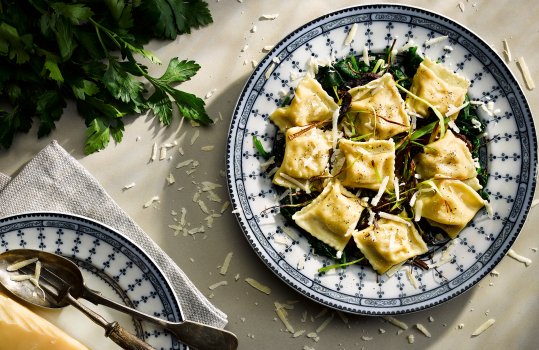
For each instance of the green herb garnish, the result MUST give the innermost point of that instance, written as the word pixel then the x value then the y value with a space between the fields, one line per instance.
pixel 87 52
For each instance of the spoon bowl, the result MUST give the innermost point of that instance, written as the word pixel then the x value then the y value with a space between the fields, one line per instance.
pixel 27 290
pixel 52 281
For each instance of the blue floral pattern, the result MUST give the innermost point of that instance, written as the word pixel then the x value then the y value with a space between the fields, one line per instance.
pixel 510 156
pixel 108 255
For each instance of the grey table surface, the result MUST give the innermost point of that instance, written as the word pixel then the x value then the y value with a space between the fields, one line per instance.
pixel 510 298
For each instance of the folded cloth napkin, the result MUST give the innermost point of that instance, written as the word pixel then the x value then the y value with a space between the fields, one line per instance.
pixel 55 181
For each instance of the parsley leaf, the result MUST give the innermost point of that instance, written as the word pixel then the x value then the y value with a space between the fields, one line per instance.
pixel 54 51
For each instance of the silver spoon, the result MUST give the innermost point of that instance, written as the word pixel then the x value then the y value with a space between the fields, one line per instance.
pixel 61 277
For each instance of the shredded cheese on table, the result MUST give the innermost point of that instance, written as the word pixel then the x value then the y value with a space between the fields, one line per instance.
pixel 526 73
pixel 483 327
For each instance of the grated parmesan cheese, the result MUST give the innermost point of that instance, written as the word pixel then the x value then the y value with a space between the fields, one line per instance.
pixel 507 51
pixel 270 69
pixel 526 73
pixel 298 333
pixel 483 327
pixel 411 278
pixel 218 284
pixel 282 314
pixel 128 186
pixel 154 152
pixel 170 179
pixel 269 17
pixel 381 191
pixel 207 148
pixel 394 218
pixel 519 258
pixel 351 34
pixel 195 136
pixel 396 322
pixel 423 330
pixel 366 56
pixel 365 338
pixel 257 285
pixel 436 40
pixel 226 263
pixel 411 339
pixel 19 265
pixel 151 201
pixel 325 323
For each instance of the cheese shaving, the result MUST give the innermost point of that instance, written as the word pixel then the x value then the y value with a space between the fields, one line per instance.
pixel 20 278
pixel 507 51
pixel 170 179
pixel 381 191
pixel 226 263
pixel 483 327
pixel 270 69
pixel 19 265
pixel 365 338
pixel 154 152
pixel 195 136
pixel 366 56
pixel 207 148
pixel 519 258
pixel 295 182
pixel 151 201
pixel 218 284
pixel 128 186
pixel 394 218
pixel 269 17
pixel 526 73
pixel 436 40
pixel 282 314
pixel 325 323
pixel 411 339
pixel 351 34
pixel 396 322
pixel 423 330
pixel 298 333
pixel 397 189
pixel 411 278
pixel 257 285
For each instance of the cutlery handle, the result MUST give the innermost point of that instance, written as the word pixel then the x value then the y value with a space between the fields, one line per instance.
pixel 125 339
pixel 113 330
pixel 196 335
pixel 203 337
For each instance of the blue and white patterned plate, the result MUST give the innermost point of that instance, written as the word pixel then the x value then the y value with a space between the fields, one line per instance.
pixel 510 156
pixel 110 263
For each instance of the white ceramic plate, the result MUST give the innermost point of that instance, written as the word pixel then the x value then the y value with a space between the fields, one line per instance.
pixel 510 157
pixel 110 263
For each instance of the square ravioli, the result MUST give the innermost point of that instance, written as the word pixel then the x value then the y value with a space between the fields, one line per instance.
pixel 367 163
pixel 450 205
pixel 388 243
pixel 437 85
pixel 377 109
pixel 448 157
pixel 306 157
pixel 310 104
pixel 331 216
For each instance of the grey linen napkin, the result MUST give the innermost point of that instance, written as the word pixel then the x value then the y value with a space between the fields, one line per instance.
pixel 55 181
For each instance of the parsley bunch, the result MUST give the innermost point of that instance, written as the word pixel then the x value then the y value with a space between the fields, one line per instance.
pixel 87 51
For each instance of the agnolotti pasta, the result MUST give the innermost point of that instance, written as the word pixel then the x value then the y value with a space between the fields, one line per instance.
pixel 310 104
pixel 437 85
pixel 332 216
pixel 306 156
pixel 448 157
pixel 377 109
pixel 450 205
pixel 367 163
pixel 389 243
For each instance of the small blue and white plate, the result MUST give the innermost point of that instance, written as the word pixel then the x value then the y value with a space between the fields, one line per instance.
pixel 510 156
pixel 111 264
